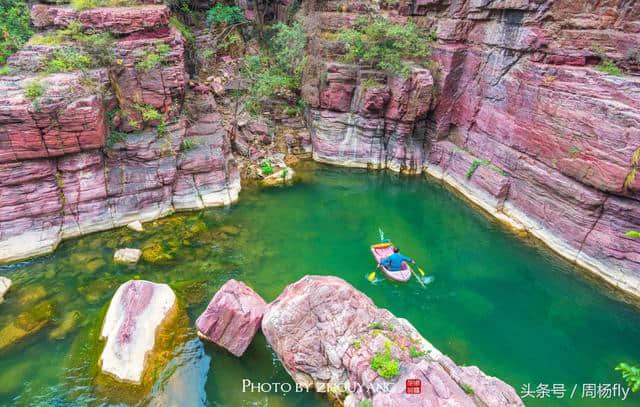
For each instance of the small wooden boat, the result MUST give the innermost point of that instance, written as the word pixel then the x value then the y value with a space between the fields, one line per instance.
pixel 383 250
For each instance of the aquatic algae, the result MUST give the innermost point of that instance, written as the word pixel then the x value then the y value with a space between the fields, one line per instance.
pixel 155 253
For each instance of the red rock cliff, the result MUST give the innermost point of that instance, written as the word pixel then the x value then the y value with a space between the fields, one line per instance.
pixel 521 120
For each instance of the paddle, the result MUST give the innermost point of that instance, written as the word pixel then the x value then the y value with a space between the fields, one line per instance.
pixel 372 276
pixel 416 276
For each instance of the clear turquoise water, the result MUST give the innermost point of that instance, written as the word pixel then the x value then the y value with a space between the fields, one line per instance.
pixel 497 301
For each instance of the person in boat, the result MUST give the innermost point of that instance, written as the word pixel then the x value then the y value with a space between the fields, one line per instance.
pixel 394 261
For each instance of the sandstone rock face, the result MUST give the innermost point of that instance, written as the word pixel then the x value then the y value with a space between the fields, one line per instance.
pixel 365 118
pixel 522 122
pixel 80 156
pixel 232 318
pixel 326 333
pixel 119 20
pixel 127 255
pixel 5 284
pixel 136 311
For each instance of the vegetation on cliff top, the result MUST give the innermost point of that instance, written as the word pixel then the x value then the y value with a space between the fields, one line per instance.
pixel 15 29
pixel 385 45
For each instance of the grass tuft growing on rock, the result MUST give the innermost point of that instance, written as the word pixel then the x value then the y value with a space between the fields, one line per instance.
pixel 88 4
pixel 384 364
pixel 153 57
pixel 609 67
pixel 68 60
pixel 34 90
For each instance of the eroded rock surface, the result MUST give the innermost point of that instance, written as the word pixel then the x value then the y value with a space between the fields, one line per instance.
pixel 89 150
pixel 137 310
pixel 232 318
pixel 326 333
pixel 517 115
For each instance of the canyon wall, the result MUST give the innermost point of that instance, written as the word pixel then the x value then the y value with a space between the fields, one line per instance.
pixel 78 154
pixel 515 115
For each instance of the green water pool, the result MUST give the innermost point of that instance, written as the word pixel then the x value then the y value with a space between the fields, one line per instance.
pixel 496 301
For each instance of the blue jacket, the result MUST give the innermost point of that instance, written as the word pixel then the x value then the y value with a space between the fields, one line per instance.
pixel 394 262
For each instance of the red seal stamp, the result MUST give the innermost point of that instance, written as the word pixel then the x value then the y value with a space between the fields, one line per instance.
pixel 413 386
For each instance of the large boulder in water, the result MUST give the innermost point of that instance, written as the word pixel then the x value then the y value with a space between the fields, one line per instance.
pixel 332 337
pixel 232 318
pixel 135 314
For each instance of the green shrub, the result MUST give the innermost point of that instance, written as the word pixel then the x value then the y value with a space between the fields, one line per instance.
pixel 385 365
pixel 279 68
pixel 357 344
pixel 416 353
pixel 370 83
pixel 365 403
pixel 153 57
pixel 633 169
pixel 97 45
pixel 633 233
pixel 467 389
pixel 5 70
pixel 184 30
pixel 15 28
pixel 34 90
pixel 376 325
pixel 148 112
pixel 68 60
pixel 386 45
pixel 266 167
pixel 188 144
pixel 223 14
pixel 609 67
pixel 631 374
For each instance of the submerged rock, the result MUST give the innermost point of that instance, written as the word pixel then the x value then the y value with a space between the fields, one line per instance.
pixel 127 255
pixel 5 284
pixel 137 310
pixel 69 323
pixel 26 324
pixel 279 177
pixel 331 337
pixel 32 294
pixel 232 318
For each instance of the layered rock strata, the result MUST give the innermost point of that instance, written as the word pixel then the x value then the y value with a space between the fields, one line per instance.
pixel 524 118
pixel 331 337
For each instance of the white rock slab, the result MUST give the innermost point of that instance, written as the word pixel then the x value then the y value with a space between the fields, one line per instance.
pixel 137 226
pixel 127 255
pixel 136 311
pixel 5 284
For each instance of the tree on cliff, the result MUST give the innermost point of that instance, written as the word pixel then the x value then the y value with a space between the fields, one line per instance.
pixel 385 45
pixel 15 28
